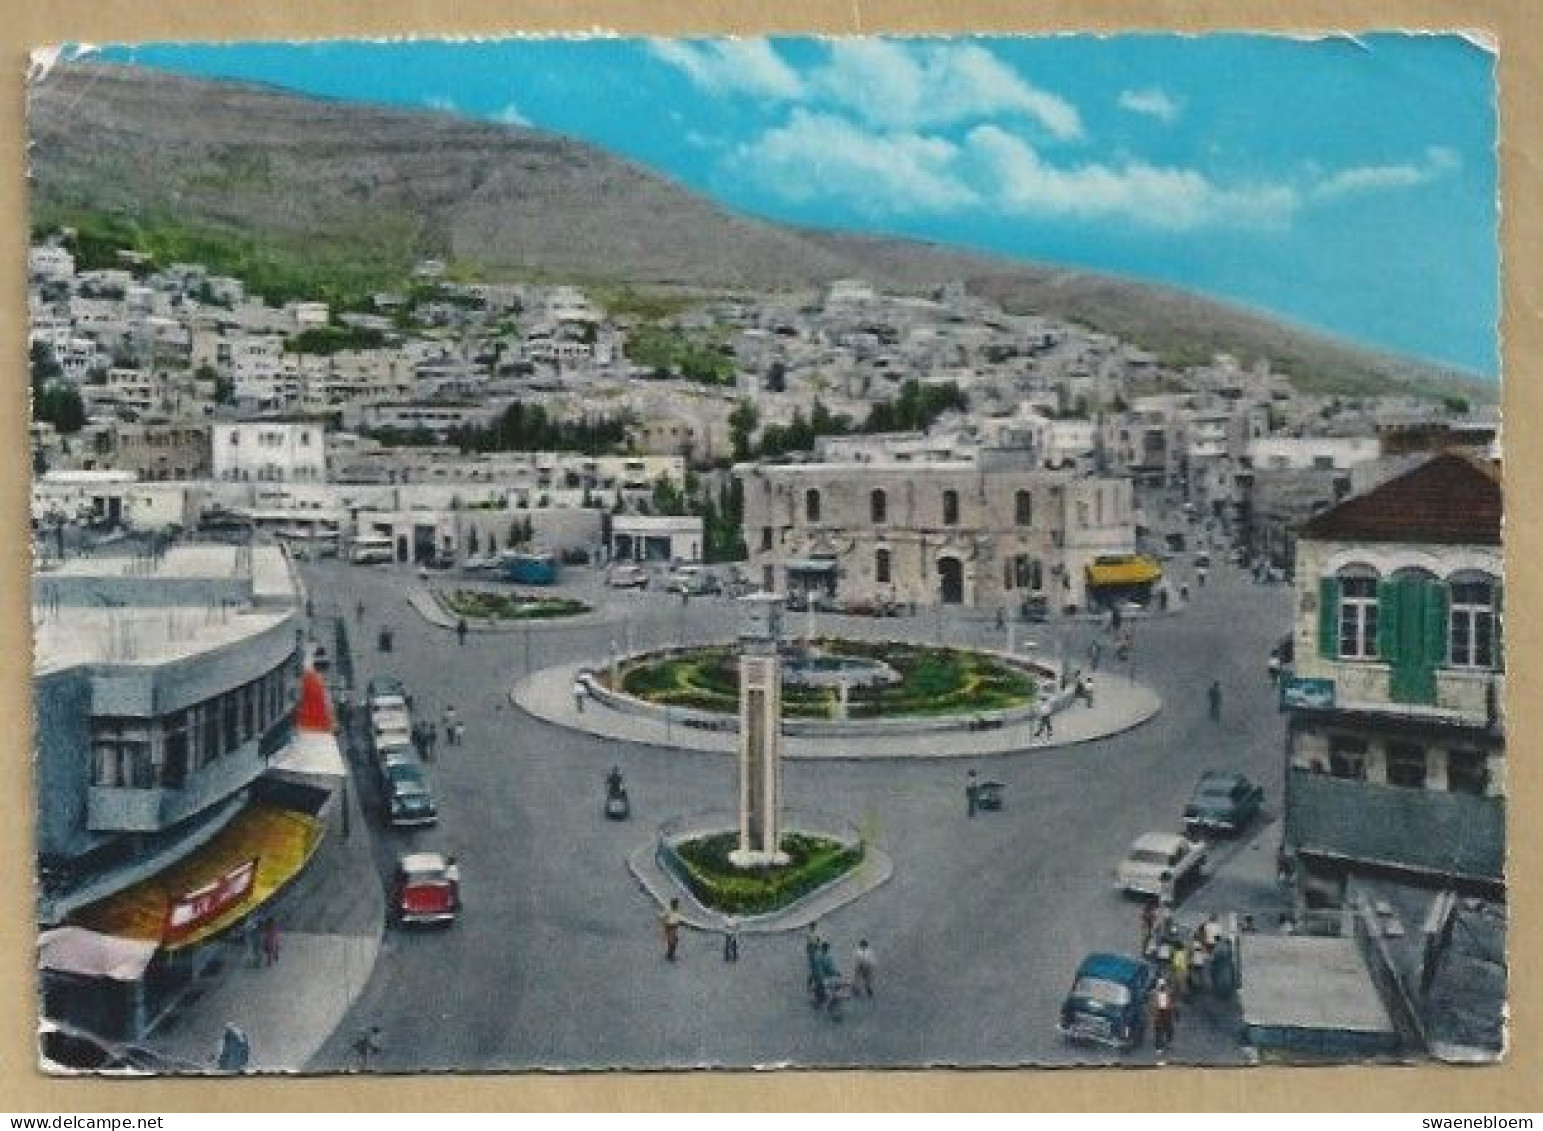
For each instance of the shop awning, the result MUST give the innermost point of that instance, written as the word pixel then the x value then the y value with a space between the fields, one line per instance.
pixel 314 749
pixel 811 565
pixel 1126 571
pixel 279 840
pixel 91 954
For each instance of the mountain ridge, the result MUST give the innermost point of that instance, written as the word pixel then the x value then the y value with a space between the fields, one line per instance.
pixel 369 189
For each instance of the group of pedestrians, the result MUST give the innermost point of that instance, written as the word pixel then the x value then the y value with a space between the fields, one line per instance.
pixel 1188 963
pixel 827 988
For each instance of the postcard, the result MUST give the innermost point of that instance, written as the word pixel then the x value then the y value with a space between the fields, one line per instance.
pixel 591 553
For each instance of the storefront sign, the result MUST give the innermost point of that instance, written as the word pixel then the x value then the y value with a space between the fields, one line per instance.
pixel 1310 693
pixel 193 909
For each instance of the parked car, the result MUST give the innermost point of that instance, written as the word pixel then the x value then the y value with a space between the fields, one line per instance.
pixel 390 726
pixel 395 755
pixel 427 889
pixel 694 580
pixel 1225 801
pixel 1107 1001
pixel 1160 865
pixel 408 802
pixel 627 577
pixel 385 690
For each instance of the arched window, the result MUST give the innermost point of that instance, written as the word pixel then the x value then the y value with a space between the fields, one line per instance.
pixel 812 505
pixel 881 567
pixel 1473 634
pixel 1023 508
pixel 878 506
pixel 1349 615
pixel 950 508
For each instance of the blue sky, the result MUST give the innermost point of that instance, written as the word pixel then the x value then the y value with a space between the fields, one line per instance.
pixel 1349 185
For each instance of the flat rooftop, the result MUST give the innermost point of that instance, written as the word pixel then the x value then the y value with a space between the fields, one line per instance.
pixel 128 609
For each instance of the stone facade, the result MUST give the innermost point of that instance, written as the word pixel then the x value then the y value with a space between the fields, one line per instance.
pixel 1404 769
pixel 988 535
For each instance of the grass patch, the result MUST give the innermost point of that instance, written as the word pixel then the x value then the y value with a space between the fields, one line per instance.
pixel 486 605
pixel 934 681
pixel 813 862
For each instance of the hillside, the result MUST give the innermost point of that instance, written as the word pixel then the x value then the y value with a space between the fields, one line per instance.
pixel 299 194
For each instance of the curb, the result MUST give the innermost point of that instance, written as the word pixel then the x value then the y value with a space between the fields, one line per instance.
pixel 793 748
pixel 659 885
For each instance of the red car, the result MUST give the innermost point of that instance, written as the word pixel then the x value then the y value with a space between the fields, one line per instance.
pixel 427 889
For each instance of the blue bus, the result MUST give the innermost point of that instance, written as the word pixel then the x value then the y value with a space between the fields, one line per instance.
pixel 530 569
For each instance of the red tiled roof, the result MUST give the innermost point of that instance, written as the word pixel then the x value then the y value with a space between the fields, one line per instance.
pixel 1451 499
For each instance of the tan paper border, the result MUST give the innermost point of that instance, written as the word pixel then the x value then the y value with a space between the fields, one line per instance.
pixel 1517 1085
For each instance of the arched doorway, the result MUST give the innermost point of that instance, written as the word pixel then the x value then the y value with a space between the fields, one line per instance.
pixel 951 581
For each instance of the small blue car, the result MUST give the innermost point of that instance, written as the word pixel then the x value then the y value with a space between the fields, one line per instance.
pixel 1108 1000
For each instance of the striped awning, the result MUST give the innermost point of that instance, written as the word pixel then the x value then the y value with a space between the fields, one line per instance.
pixel 281 841
pixel 1134 570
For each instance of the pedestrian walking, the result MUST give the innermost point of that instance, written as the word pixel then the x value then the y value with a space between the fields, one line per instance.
pixel 451 722
pixel 830 980
pixel 235 1050
pixel 1095 653
pixel 731 939
pixel 1199 959
pixel 579 693
pixel 1178 967
pixel 359 612
pixel 971 793
pixel 461 629
pixel 254 942
pixel 460 733
pixel 863 967
pixel 272 941
pixel 1200 576
pixel 1184 593
pixel 1210 933
pixel 1214 698
pixel 1085 688
pixel 669 920
pixel 816 984
pixel 1148 926
pixel 1042 724
pixel 1274 668
pixel 1001 620
pixel 1224 970
pixel 366 1044
pixel 1162 1016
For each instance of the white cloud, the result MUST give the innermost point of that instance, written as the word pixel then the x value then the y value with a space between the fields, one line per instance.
pixel 1153 196
pixel 820 155
pixel 1154 102
pixel 510 116
pixel 1439 160
pixel 723 66
pixel 911 86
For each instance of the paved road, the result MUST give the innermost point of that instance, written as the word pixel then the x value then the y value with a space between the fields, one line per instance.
pixel 557 960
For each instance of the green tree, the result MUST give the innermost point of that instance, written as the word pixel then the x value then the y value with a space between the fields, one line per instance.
pixel 742 422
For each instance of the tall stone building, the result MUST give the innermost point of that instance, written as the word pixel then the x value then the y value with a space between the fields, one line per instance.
pixel 993 533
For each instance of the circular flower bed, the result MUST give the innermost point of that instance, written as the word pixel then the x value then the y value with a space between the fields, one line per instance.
pixel 933 681
pixel 813 862
pixel 489 604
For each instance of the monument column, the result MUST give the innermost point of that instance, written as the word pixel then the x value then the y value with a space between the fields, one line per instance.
pixel 760 734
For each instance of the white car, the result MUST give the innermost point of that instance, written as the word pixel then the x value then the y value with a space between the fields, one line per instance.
pixel 628 577
pixel 1160 865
